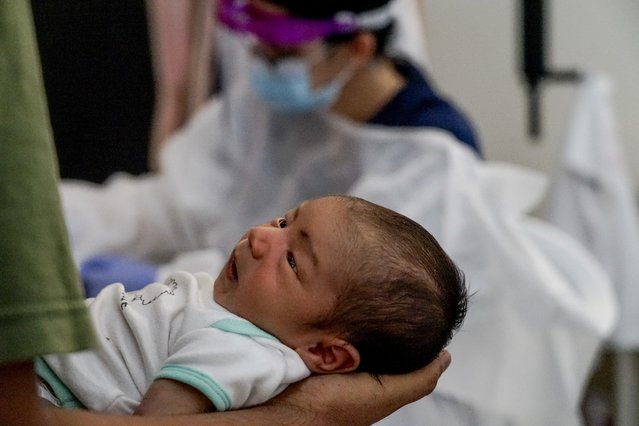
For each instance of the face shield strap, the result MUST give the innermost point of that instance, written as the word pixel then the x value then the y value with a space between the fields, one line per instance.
pixel 288 31
pixel 370 20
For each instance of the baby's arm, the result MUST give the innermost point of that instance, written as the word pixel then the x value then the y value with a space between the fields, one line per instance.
pixel 168 397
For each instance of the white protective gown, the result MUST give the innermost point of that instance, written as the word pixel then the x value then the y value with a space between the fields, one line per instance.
pixel 593 199
pixel 541 305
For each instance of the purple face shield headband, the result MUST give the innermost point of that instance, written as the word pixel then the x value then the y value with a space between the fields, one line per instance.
pixel 288 31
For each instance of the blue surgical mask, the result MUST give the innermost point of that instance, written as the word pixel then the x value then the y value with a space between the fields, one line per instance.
pixel 286 85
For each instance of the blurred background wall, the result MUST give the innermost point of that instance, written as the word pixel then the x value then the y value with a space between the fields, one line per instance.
pixel 474 50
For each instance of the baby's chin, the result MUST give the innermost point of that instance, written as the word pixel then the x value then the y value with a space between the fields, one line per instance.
pixel 218 291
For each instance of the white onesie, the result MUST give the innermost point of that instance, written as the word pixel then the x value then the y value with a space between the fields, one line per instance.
pixel 175 331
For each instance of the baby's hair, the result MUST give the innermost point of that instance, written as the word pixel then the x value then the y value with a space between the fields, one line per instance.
pixel 403 296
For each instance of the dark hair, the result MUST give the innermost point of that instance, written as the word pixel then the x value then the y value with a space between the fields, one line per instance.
pixel 327 9
pixel 322 9
pixel 403 298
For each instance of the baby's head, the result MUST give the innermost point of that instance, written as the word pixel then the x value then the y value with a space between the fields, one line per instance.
pixel 348 284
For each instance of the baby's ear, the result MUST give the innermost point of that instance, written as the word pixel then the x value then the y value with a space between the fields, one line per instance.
pixel 330 355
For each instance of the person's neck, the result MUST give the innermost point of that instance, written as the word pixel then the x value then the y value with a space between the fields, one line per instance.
pixel 369 90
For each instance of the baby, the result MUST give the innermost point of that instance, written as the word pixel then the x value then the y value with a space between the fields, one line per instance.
pixel 337 284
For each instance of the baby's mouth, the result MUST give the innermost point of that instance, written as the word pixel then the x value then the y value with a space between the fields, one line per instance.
pixel 233 268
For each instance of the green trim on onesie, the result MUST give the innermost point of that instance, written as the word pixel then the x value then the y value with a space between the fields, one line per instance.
pixel 242 327
pixel 199 381
pixel 60 390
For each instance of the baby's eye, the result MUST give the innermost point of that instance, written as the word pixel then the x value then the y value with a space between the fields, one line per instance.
pixel 281 222
pixel 291 261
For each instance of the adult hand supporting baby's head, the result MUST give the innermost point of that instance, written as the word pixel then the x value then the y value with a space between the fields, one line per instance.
pixel 358 398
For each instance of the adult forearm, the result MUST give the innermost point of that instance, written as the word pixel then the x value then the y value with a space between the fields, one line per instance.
pixel 339 399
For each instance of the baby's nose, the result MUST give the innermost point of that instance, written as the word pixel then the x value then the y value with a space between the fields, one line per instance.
pixel 264 239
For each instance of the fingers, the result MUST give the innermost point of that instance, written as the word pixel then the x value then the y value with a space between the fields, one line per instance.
pixel 413 386
pixel 357 398
pixel 436 368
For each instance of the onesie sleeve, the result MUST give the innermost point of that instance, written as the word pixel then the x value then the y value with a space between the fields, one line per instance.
pixel 233 370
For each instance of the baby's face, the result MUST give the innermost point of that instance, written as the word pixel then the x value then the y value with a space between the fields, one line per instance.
pixel 285 275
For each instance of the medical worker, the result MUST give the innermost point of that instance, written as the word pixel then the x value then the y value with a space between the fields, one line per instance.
pixel 42 308
pixel 302 64
pixel 542 304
